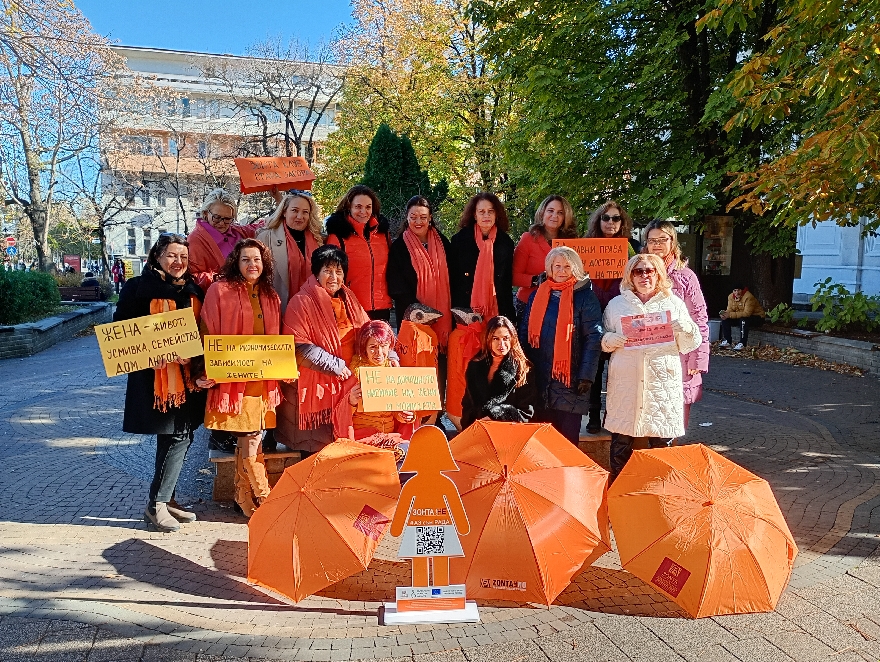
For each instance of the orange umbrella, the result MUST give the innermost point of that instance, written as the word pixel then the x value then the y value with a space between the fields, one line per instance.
pixel 323 519
pixel 537 510
pixel 701 529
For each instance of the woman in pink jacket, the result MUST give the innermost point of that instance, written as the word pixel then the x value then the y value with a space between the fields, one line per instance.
pixel 662 240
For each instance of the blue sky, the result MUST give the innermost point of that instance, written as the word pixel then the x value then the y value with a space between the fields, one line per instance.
pixel 212 26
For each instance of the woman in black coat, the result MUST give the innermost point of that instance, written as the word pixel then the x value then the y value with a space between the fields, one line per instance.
pixel 165 282
pixel 484 213
pixel 499 381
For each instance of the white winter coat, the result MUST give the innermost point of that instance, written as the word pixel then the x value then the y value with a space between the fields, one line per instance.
pixel 645 397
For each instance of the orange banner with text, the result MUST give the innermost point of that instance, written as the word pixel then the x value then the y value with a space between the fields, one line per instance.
pixel 271 172
pixel 602 258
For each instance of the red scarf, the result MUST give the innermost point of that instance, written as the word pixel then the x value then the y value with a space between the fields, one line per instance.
pixel 561 370
pixel 228 311
pixel 668 260
pixel 483 298
pixel 171 382
pixel 432 275
pixel 311 320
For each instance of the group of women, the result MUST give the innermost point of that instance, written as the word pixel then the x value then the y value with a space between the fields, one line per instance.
pixel 538 356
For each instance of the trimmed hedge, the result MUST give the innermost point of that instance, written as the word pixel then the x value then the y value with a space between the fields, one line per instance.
pixel 26 295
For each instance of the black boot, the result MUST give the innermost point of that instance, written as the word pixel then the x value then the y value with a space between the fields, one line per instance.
pixel 221 441
pixel 594 423
pixel 269 443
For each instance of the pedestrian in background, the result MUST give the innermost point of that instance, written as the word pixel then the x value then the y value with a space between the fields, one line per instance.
pixel 561 331
pixel 554 219
pixel 118 273
pixel 481 269
pixel 164 400
pixel 645 398
pixel 661 240
pixel 242 302
pixel 361 232
pixel 609 221
pixel 744 310
pixel 292 233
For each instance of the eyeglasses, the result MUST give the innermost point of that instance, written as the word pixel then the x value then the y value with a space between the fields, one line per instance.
pixel 222 219
pixel 658 242
pixel 612 219
pixel 644 271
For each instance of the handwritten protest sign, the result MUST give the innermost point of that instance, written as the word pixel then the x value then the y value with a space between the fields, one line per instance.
pixel 141 342
pixel 400 389
pixel 602 258
pixel 266 173
pixel 647 329
pixel 249 358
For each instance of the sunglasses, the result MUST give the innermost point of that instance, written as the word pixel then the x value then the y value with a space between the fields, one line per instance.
pixel 296 191
pixel 612 219
pixel 644 271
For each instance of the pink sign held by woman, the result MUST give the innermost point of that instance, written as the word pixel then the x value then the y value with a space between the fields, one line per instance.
pixel 647 329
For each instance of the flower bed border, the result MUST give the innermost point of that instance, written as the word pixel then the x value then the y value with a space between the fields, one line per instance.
pixel 858 353
pixel 33 337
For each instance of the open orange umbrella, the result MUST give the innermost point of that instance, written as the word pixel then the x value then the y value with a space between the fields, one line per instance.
pixel 701 529
pixel 537 510
pixel 323 519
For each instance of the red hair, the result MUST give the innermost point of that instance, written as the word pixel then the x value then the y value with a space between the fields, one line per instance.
pixel 378 329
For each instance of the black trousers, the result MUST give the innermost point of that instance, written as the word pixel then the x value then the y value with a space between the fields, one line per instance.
pixel 596 389
pixel 622 449
pixel 744 324
pixel 383 314
pixel 170 454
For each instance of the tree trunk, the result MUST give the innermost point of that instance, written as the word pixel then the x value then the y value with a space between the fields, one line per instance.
pixel 39 218
pixel 773 278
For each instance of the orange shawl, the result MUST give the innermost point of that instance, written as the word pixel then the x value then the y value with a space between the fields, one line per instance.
pixel 432 276
pixel 311 320
pixel 299 266
pixel 171 382
pixel 483 298
pixel 464 344
pixel 227 311
pixel 205 258
pixel 561 369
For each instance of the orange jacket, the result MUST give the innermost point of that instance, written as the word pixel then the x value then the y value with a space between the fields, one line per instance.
pixel 367 260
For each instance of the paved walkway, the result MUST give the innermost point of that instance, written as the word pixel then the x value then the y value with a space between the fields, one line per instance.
pixel 81 578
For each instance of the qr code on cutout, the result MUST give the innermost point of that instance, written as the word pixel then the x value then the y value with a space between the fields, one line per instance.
pixel 430 540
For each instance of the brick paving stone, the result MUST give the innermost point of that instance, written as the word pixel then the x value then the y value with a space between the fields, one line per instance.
pixel 757 650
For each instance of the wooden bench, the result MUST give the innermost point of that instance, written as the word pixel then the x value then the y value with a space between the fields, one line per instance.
pixel 224 470
pixel 90 293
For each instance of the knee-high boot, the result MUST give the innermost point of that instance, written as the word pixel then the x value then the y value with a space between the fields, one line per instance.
pixel 243 495
pixel 256 472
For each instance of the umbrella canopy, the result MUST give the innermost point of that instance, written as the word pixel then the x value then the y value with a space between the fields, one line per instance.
pixel 537 510
pixel 701 529
pixel 323 519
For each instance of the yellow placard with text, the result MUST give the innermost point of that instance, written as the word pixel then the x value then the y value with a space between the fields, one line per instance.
pixel 142 342
pixel 602 258
pixel 400 389
pixel 250 358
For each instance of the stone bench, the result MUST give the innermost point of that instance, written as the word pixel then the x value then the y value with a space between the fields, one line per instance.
pixel 224 470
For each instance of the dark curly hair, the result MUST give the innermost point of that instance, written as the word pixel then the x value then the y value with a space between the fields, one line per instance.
pixel 331 255
pixel 231 272
pixel 469 215
pixel 162 243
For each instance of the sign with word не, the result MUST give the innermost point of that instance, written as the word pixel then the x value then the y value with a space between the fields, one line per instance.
pixel 400 389
pixel 281 172
pixel 647 329
pixel 250 358
pixel 142 342
pixel 602 258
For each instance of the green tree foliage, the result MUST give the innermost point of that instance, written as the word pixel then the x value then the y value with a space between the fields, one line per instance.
pixel 392 171
pixel 812 82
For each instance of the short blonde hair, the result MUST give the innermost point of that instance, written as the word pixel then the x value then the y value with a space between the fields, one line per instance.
pixel 315 223
pixel 570 256
pixel 663 282
pixel 219 196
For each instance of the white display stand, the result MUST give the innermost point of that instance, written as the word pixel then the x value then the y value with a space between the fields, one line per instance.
pixel 470 614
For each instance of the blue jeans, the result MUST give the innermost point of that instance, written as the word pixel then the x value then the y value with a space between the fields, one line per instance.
pixel 170 454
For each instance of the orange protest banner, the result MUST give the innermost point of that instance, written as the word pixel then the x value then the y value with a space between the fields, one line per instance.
pixel 647 329
pixel 602 258
pixel 281 172
pixel 400 389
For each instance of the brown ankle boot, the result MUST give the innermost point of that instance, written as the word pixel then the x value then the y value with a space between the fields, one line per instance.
pixel 243 495
pixel 259 481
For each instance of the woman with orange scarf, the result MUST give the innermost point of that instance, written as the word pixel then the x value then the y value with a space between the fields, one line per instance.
pixel 243 302
pixel 324 318
pixel 561 332
pixel 163 400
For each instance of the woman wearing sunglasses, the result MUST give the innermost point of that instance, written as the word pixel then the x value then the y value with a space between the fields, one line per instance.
pixel 609 221
pixel 662 241
pixel 644 380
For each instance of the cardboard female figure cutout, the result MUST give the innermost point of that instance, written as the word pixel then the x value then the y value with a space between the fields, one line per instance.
pixel 430 513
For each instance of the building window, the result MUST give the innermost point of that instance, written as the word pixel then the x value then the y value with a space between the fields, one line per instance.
pixel 203 149
pixel 148 240
pixel 172 147
pixel 161 197
pixel 145 196
pixel 131 241
pixel 184 107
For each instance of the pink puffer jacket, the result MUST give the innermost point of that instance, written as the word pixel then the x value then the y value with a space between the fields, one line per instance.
pixel 687 288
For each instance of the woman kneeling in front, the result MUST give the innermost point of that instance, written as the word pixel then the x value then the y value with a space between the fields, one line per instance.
pixel 645 396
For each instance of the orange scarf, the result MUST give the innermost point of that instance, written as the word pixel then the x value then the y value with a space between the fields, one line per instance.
pixel 299 266
pixel 171 382
pixel 561 370
pixel 464 344
pixel 432 275
pixel 310 318
pixel 483 299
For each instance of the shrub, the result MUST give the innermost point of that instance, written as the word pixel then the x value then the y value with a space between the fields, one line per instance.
pixel 843 310
pixel 782 312
pixel 26 295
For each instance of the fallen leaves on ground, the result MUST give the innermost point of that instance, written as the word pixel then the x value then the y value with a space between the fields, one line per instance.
pixel 788 355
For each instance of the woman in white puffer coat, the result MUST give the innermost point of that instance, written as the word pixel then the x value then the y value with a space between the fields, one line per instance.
pixel 645 397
